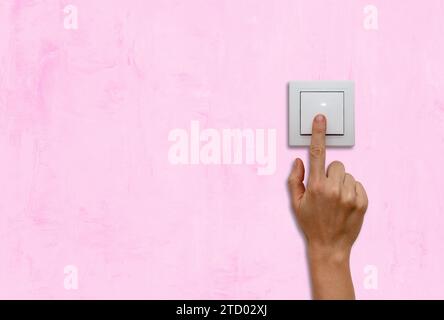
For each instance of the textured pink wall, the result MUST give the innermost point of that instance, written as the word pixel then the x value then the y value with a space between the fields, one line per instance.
pixel 85 116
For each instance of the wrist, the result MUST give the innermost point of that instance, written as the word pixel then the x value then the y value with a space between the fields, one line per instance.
pixel 328 255
pixel 330 272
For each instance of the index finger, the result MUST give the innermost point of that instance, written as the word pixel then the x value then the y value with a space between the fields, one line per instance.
pixel 317 147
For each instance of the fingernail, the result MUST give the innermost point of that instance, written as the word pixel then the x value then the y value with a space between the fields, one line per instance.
pixel 320 118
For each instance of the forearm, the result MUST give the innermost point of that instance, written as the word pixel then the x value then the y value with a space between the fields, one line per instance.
pixel 330 274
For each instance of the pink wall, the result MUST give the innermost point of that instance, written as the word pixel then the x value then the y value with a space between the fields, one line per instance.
pixel 85 116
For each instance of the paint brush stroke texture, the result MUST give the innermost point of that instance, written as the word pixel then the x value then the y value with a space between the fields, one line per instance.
pixel 84 121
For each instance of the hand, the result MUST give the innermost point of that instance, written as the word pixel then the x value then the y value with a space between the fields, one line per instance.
pixel 330 212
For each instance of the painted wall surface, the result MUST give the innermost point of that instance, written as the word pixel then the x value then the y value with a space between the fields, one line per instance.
pixel 93 93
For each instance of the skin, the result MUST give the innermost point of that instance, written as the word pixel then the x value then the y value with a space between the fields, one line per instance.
pixel 330 211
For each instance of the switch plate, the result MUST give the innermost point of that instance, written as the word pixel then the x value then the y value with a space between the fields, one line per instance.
pixel 329 103
pixel 334 99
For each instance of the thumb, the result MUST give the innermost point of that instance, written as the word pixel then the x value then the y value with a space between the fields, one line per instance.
pixel 296 180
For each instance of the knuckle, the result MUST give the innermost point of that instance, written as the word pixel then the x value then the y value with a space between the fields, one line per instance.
pixel 350 177
pixel 348 201
pixel 334 192
pixel 361 206
pixel 316 187
pixel 290 181
pixel 337 163
pixel 316 150
pixel 360 186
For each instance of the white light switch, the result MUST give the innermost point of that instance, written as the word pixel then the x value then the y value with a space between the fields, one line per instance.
pixel 328 103
pixel 334 99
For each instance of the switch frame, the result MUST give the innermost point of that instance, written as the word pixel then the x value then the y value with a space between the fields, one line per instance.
pixel 295 137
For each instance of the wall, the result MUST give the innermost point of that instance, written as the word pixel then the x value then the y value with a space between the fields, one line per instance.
pixel 87 107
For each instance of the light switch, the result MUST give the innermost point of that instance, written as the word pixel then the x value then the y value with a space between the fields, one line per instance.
pixel 328 103
pixel 334 99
